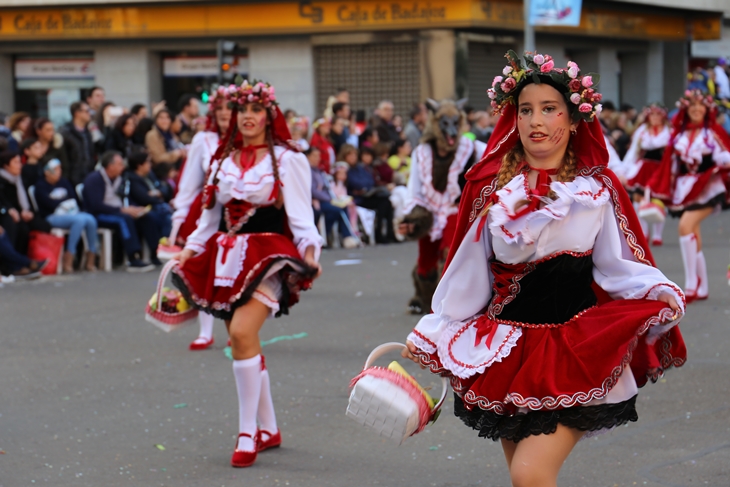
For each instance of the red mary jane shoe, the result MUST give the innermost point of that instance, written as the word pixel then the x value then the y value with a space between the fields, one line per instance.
pixel 199 344
pixel 243 459
pixel 657 242
pixel 273 441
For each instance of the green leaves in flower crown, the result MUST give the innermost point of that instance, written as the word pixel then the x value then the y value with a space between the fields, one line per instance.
pixel 238 80
pixel 514 60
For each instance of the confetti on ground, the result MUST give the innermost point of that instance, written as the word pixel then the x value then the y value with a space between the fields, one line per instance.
pixel 181 405
pixel 228 353
pixel 348 262
pixel 2 452
pixel 434 448
pixel 160 447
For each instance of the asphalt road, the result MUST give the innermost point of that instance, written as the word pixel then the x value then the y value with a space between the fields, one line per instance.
pixel 88 390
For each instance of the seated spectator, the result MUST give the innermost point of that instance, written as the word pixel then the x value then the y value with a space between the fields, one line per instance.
pixel 19 123
pixel 161 142
pixel 339 134
pixel 483 127
pixel 383 122
pixel 51 141
pixel 414 127
pixel 144 125
pixel 31 151
pixel 322 199
pixel 400 158
pixel 361 185
pixel 60 206
pixel 121 137
pixel 13 263
pixel 139 111
pixel 144 192
pixel 341 198
pixel 369 138
pixel 101 199
pixel 165 176
pixel 321 141
pixel 382 172
pixel 299 132
pixel 16 214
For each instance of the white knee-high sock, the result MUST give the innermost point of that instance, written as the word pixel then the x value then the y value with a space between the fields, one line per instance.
pixel 703 289
pixel 248 384
pixel 206 325
pixel 266 415
pixel 688 245
pixel 657 229
pixel 644 225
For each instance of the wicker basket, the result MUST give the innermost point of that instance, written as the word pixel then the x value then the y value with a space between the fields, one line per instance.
pixel 651 212
pixel 389 402
pixel 162 319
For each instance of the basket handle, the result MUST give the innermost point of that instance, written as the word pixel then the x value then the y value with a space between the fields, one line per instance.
pixel 381 350
pixel 169 266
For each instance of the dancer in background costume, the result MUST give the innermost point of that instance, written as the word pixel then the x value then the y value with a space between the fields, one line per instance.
pixel 438 165
pixel 693 181
pixel 550 313
pixel 644 158
pixel 188 200
pixel 255 248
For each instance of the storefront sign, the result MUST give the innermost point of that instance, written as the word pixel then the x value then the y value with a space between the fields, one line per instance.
pixel 313 16
pixel 54 68
pixel 555 12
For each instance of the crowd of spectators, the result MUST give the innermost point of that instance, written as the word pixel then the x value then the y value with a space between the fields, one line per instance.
pixel 116 167
pixel 362 161
pixel 108 167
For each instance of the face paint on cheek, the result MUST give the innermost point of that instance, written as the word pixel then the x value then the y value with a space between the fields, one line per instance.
pixel 560 114
pixel 557 136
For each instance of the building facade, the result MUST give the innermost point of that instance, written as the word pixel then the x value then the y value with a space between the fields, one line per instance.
pixel 403 50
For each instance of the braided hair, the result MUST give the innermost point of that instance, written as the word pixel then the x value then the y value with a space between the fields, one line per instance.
pixel 274 163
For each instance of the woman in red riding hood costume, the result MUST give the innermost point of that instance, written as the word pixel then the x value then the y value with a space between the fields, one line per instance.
pixel 550 313
pixel 254 250
pixel 187 202
pixel 693 181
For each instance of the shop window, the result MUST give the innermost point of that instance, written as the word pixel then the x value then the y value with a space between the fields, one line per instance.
pixel 371 73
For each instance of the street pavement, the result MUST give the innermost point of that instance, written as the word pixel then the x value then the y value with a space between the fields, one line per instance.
pixel 92 395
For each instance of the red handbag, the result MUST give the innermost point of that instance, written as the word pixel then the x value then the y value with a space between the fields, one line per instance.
pixel 43 246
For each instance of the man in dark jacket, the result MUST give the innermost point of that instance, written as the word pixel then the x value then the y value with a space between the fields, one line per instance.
pixel 80 152
pixel 101 199
pixel 141 191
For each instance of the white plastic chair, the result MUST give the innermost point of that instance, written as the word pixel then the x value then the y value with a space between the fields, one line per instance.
pixel 105 240
pixel 367 220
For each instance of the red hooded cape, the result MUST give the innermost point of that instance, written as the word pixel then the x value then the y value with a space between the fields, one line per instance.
pixel 663 181
pixel 592 158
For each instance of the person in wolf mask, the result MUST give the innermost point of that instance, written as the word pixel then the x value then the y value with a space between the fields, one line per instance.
pixel 438 166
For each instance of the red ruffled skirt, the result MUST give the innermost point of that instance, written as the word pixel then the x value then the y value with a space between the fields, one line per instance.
pixel 267 255
pixel 648 167
pixel 572 351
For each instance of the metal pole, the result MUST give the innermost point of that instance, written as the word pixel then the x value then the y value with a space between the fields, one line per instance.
pixel 529 29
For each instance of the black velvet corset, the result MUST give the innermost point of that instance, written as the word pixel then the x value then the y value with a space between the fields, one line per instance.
pixel 706 164
pixel 267 219
pixel 654 154
pixel 552 291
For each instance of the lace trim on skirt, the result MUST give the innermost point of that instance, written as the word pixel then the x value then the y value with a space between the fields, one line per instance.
pixel 518 427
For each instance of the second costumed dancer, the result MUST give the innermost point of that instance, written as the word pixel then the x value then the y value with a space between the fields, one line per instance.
pixel 644 158
pixel 550 313
pixel 693 181
pixel 434 188
pixel 188 200
pixel 255 248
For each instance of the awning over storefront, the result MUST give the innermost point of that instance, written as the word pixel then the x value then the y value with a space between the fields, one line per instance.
pixel 207 20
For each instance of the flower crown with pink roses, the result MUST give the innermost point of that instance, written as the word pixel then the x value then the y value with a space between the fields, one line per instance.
pixel 692 96
pixel 243 92
pixel 218 96
pixel 582 99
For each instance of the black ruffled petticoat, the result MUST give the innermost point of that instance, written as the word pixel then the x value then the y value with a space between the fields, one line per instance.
pixel 519 426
